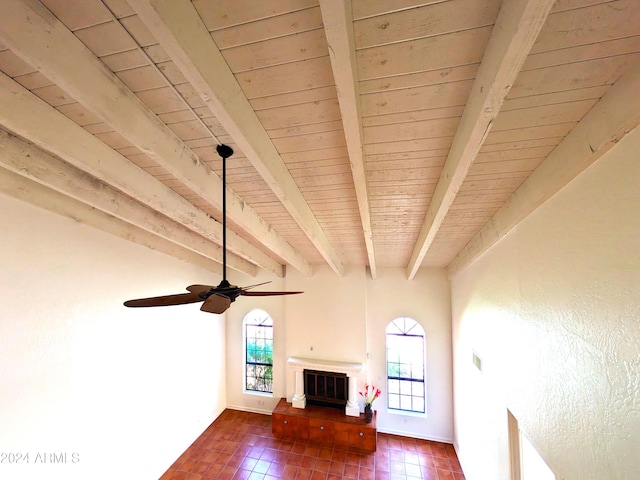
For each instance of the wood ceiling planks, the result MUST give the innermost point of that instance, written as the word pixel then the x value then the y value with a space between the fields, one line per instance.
pixel 279 54
pixel 575 56
pixel 415 64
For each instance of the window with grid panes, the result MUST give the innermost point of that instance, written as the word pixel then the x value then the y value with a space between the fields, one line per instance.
pixel 405 366
pixel 258 334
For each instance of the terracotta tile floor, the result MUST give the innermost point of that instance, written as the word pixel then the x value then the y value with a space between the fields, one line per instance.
pixel 239 445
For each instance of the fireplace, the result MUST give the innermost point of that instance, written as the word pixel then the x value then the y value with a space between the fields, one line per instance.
pixel 326 389
pixel 334 381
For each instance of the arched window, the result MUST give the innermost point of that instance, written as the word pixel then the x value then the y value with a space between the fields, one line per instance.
pixel 405 366
pixel 258 340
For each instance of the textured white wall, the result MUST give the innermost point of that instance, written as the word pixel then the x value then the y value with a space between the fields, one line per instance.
pixel 553 311
pixel 127 390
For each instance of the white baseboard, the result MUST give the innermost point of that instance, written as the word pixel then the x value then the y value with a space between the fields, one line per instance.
pixel 244 408
pixel 414 435
pixel 219 412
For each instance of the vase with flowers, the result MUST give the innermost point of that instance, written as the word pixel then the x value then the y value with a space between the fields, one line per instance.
pixel 370 393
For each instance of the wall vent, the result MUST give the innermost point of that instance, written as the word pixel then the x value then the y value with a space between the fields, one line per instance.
pixel 477 361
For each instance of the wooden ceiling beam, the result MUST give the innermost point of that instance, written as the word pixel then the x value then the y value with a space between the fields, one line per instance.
pixel 26 160
pixel 516 29
pixel 615 116
pixel 38 195
pixel 31 118
pixel 40 39
pixel 338 28
pixel 180 31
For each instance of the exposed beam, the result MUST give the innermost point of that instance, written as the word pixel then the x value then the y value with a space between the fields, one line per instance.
pixel 40 39
pixel 179 29
pixel 516 29
pixel 612 118
pixel 338 28
pixel 31 118
pixel 28 191
pixel 28 161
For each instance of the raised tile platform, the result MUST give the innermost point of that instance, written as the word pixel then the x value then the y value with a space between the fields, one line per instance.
pixel 324 426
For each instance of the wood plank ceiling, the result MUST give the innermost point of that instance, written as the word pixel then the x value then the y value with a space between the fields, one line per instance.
pixel 385 133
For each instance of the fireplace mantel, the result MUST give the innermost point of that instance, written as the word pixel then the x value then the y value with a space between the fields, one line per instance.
pixel 350 369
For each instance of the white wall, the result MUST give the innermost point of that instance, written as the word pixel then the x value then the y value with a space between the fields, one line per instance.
pixel 343 319
pixel 301 322
pixel 274 306
pixel 126 390
pixel 553 312
pixel 426 299
pixel 328 321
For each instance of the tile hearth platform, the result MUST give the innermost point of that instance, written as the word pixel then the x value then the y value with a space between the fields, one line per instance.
pixel 328 427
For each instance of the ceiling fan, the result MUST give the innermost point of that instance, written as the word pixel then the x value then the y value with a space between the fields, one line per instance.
pixel 214 299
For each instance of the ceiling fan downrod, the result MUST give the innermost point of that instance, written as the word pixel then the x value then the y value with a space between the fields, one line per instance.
pixel 225 152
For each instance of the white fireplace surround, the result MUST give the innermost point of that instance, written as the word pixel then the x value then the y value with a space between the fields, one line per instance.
pixel 351 370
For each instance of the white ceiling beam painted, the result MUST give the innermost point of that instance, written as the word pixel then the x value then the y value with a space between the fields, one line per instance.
pixel 31 118
pixel 41 40
pixel 26 160
pixel 518 24
pixel 611 119
pixel 338 27
pixel 179 29
pixel 28 191
pixel 416 67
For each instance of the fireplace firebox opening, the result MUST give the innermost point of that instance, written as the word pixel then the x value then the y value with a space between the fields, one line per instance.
pixel 326 389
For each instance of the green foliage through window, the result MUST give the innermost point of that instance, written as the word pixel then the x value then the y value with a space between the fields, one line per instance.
pixel 259 351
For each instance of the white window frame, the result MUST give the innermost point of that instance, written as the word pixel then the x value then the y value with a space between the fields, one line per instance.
pixel 411 328
pixel 251 316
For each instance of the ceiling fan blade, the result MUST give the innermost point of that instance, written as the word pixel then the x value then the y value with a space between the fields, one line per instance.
pixel 165 300
pixel 199 288
pixel 255 285
pixel 266 294
pixel 216 304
